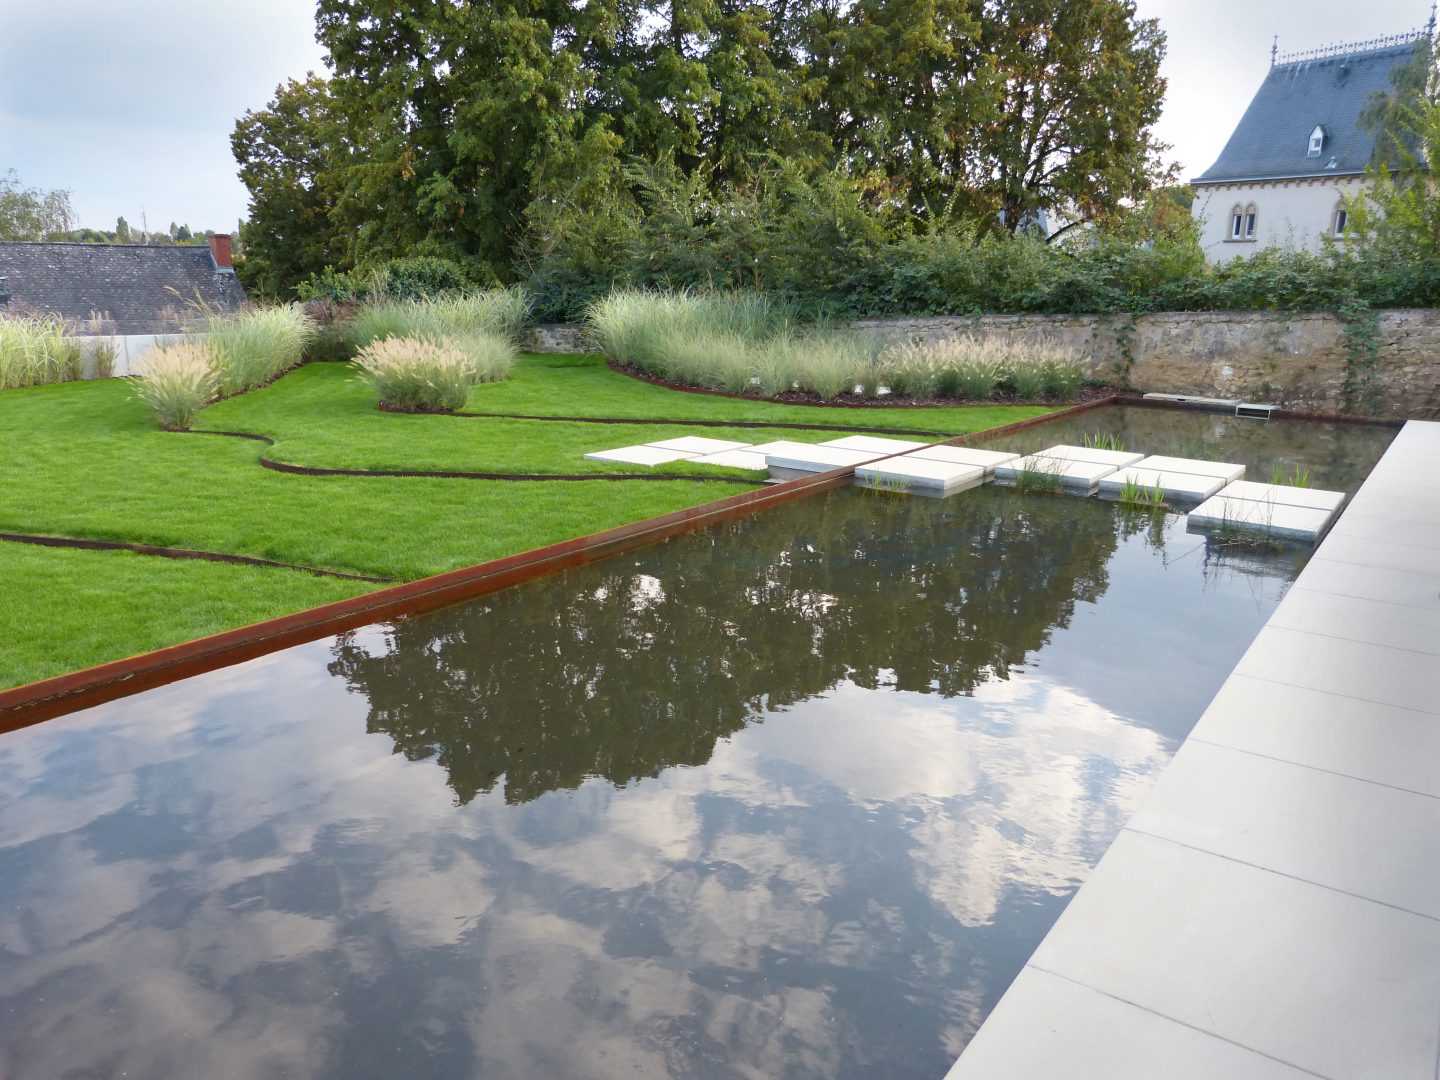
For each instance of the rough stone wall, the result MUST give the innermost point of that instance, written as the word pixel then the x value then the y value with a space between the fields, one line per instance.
pixel 1294 360
pixel 557 338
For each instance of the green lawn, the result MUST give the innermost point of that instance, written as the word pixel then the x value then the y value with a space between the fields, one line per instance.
pixel 86 460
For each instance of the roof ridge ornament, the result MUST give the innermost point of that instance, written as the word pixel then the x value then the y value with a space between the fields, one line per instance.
pixel 1346 48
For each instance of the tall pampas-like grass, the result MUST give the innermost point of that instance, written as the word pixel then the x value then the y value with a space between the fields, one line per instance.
pixel 432 374
pixel 176 381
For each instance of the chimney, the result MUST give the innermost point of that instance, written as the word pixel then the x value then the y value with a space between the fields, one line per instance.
pixel 220 253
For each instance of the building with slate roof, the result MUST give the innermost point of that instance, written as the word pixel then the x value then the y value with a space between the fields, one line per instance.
pixel 1299 149
pixel 137 290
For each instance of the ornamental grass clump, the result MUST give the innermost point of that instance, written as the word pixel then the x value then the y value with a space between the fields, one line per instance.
pixel 642 328
pixel 496 313
pixel 176 381
pixel 254 347
pixel 433 374
pixel 34 351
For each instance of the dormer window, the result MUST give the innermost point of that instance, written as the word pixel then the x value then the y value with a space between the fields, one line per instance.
pixel 1317 142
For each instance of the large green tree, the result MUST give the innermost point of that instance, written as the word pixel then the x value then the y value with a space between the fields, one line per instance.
pixel 292 154
pixel 481 131
pixel 32 213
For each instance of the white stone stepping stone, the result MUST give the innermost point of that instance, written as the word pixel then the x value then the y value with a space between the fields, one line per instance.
pixel 641 455
pixel 1114 458
pixel 1173 485
pixel 792 459
pixel 874 444
pixel 1260 518
pixel 1285 495
pixel 966 455
pixel 735 459
pixel 1079 476
pixel 923 476
pixel 694 444
pixel 1225 470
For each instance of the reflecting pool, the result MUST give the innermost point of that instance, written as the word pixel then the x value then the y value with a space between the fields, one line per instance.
pixel 792 797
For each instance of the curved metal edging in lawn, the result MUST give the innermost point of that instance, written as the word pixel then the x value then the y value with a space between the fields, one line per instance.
pixel 452 474
pixel 182 553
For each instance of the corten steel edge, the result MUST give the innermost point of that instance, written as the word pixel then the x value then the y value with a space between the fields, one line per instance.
pixel 22 706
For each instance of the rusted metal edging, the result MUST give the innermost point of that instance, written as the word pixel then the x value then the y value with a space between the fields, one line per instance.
pixel 22 706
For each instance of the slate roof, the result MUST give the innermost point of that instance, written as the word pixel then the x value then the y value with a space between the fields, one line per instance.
pixel 1274 134
pixel 129 283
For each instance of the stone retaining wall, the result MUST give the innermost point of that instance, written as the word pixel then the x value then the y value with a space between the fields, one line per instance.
pixel 1294 360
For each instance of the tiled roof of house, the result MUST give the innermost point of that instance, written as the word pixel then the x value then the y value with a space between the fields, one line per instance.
pixel 141 290
pixel 1330 91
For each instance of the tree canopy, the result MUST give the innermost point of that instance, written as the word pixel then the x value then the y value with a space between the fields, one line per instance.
pixel 32 213
pixel 467 130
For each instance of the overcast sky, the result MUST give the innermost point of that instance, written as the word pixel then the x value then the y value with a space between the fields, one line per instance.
pixel 130 104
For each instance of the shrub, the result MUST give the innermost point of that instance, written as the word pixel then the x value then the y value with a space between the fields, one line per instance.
pixel 421 277
pixel 432 374
pixel 253 347
pixel 36 350
pixel 176 381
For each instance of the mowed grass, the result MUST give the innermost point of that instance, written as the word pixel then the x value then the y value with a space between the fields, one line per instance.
pixel 86 460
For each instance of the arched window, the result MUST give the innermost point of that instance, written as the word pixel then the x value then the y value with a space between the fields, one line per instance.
pixel 1237 222
pixel 1317 142
pixel 1250 222
pixel 1338 222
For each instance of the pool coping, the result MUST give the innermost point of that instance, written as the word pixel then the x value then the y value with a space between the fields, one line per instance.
pixel 1270 909
pixel 32 703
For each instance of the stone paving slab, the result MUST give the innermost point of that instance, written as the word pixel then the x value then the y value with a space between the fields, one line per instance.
pixel 1079 476
pixel 1285 495
pixel 1114 458
pixel 796 457
pixel 874 444
pixel 1050 1028
pixel 1227 471
pixel 1265 519
pixel 1369 741
pixel 1301 822
pixel 697 444
pixel 736 459
pixel 920 475
pixel 1186 487
pixel 1322 980
pixel 966 455
pixel 641 455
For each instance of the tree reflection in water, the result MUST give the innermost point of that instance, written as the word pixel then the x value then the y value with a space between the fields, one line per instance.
pixel 625 668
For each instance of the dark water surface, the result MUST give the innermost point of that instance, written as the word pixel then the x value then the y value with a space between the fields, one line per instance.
pixel 794 797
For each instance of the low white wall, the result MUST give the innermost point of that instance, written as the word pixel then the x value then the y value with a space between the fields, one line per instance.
pixel 129 348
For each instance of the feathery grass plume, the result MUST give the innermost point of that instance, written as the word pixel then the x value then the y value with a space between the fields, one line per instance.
pixel 1026 378
pixel 37 350
pixel 636 326
pixel 775 366
pixel 829 364
pixel 501 313
pixel 176 381
pixel 432 374
pixel 253 347
pixel 1062 378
